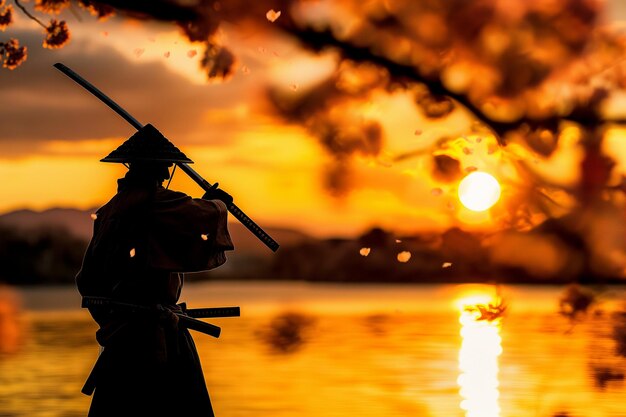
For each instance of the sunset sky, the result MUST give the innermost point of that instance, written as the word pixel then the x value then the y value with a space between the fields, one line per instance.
pixel 53 133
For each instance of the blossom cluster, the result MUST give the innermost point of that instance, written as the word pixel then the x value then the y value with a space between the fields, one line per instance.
pixel 57 33
pixel 12 54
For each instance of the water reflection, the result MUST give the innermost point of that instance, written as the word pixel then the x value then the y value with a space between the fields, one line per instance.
pixel 602 375
pixel 377 324
pixel 339 351
pixel 481 346
pixel 287 332
pixel 10 327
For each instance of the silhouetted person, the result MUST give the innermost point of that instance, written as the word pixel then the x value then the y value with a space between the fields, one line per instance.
pixel 144 238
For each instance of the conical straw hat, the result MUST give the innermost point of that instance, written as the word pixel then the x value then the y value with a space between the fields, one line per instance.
pixel 147 144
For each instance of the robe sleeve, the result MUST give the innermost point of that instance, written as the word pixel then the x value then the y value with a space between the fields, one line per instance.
pixel 187 234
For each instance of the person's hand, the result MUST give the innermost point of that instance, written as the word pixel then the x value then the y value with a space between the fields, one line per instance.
pixel 215 193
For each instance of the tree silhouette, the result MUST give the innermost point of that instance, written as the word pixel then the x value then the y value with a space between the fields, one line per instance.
pixel 533 76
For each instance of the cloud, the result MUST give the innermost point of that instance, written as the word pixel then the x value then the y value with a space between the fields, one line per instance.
pixel 38 103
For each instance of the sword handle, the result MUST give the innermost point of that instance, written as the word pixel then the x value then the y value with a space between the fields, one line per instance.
pixel 253 227
pixel 213 312
pixel 233 209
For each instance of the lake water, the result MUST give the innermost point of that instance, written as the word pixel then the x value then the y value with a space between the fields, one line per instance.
pixel 325 350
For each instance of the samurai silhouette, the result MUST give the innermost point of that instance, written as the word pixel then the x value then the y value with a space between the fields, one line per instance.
pixel 144 239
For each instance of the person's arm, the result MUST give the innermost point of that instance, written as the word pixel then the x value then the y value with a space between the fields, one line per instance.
pixel 188 234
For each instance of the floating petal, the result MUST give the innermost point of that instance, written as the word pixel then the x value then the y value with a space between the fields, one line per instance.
pixel 272 15
pixel 404 256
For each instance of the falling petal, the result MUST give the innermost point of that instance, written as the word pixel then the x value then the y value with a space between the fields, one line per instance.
pixel 139 52
pixel 398 241
pixel 417 132
pixel 167 54
pixel 489 312
pixel 262 50
pixel 245 69
pixel 204 237
pixel 272 15
pixel 293 87
pixel 132 253
pixel 471 169
pixel 404 256
pixel 446 265
pixel 94 216
pixel 192 53
pixel 436 192
pixel 478 140
pixel 365 251
pixel 468 151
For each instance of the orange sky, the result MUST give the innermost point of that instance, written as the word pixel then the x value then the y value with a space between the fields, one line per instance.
pixel 54 133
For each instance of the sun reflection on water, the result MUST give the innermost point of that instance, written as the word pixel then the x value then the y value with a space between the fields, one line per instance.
pixel 481 346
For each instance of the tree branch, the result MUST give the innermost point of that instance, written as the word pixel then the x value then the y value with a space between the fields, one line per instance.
pixel 319 40
pixel 27 13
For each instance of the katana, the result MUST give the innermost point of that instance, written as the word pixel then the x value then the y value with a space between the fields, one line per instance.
pixel 184 319
pixel 232 208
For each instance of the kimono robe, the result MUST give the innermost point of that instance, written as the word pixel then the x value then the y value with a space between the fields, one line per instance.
pixel 143 238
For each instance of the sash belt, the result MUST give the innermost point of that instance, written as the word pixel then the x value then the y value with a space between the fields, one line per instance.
pixel 187 317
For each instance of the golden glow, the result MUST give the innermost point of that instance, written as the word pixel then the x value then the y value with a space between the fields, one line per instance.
pixel 478 358
pixel 42 182
pixel 259 160
pixel 479 191
pixel 473 297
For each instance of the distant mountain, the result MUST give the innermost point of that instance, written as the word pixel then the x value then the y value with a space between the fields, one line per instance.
pixel 67 231
pixel 50 255
pixel 80 224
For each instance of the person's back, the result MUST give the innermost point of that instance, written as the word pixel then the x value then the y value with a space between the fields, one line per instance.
pixel 144 238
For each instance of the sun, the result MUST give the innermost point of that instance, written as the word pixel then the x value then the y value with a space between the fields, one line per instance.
pixel 479 191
